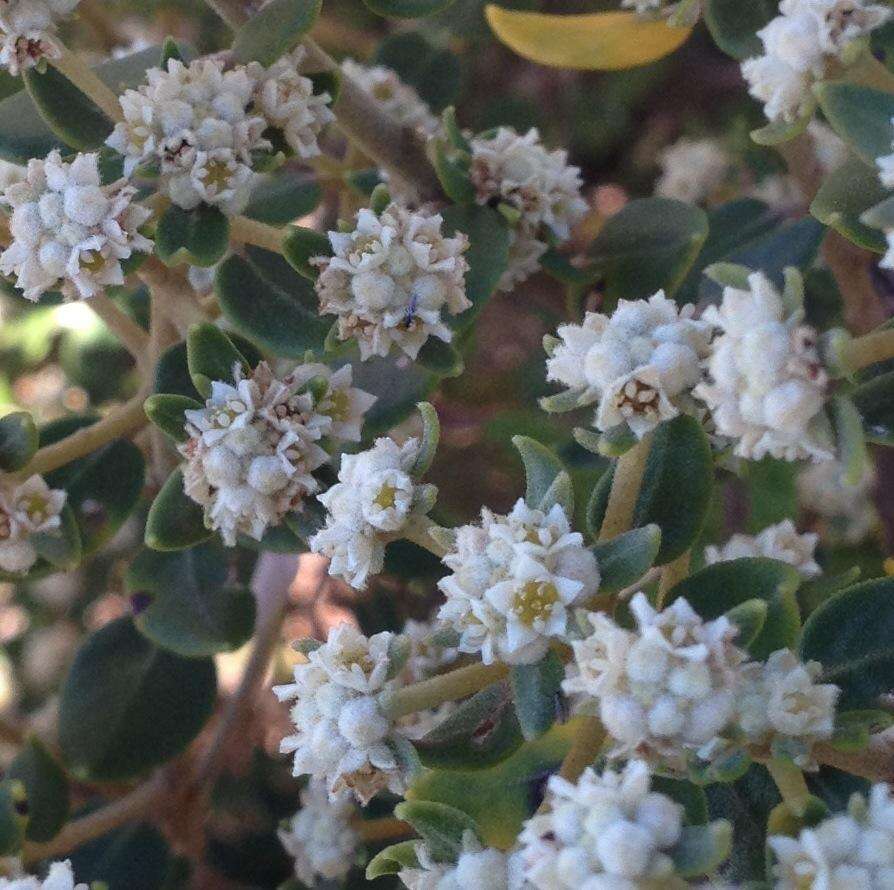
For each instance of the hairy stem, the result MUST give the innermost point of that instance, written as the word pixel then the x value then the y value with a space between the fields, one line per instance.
pixel 875 762
pixel 172 295
pixel 134 339
pixel 418 530
pixel 462 682
pixel 861 352
pixel 588 742
pixel 120 421
pixel 387 828
pixel 671 575
pixel 626 483
pixel 249 231
pixel 85 79
pixel 791 784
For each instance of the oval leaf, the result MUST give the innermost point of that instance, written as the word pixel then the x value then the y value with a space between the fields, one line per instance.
pixel 626 558
pixel 166 412
pixel 441 826
pixel 542 470
pixel 199 237
pixel 733 25
pixel 274 30
pixel 536 693
pixel 861 116
pixel 175 522
pixel 46 788
pixel 211 356
pixel 18 440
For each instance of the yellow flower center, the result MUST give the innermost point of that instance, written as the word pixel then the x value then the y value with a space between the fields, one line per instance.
pixel 339 405
pixel 217 175
pixel 35 506
pixel 92 261
pixel 386 497
pixel 534 601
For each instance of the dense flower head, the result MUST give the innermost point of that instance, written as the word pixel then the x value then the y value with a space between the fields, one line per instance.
pixel 26 509
pixel 198 125
pixel 767 385
pixel 605 832
pixel 692 169
pixel 640 364
pixel 782 703
pixel 798 45
pixel 28 31
pixel 847 851
pixel 320 836
pixel 844 513
pixel 539 187
pixel 375 498
pixel 69 231
pixel 59 877
pixel 780 541
pixel 341 734
pixel 476 868
pixel 661 690
pixel 514 582
pixel 252 449
pixel 390 279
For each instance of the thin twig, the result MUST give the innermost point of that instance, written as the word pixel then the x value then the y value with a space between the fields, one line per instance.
pixel 134 339
pixel 249 231
pixel 671 575
pixel 626 483
pixel 172 294
pixel 85 79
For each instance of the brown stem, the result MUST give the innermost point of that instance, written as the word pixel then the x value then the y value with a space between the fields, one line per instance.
pixel 388 828
pixel 875 762
pixel 852 267
pixel 671 575
pixel 588 742
pixel 626 483
pixel 173 295
pixel 134 339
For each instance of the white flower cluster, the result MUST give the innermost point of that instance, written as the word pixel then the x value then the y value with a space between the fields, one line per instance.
pixel 199 126
pixel 476 868
pixel 538 187
pixel 514 582
pixel 798 46
pixel 389 280
pixel 607 832
pixel 392 95
pixel 68 230
pixel 641 363
pixel 844 852
pixel 342 736
pixel 780 541
pixel 678 685
pixel 320 837
pixel 846 513
pixel 28 31
pixel 375 498
pixel 59 877
pixel 27 509
pixel 692 170
pixel 253 448
pixel 768 386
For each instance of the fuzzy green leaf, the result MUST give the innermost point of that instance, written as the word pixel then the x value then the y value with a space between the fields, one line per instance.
pixel 860 115
pixel 431 435
pixel 166 412
pixel 733 25
pixel 440 358
pixel 702 848
pixel 749 617
pixel 175 522
pixel 211 356
pixel 274 30
pixel 18 440
pixel 849 439
pixel 441 826
pixel 542 470
pixel 46 788
pixel 282 197
pixel 626 558
pixel 13 816
pixel 199 237
pixel 875 402
pixel 300 245
pixel 536 691
pixel 392 860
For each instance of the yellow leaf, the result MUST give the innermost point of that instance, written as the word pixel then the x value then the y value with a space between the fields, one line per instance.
pixel 603 41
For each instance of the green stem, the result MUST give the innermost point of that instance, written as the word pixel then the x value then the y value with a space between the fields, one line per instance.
pixel 461 683
pixel 588 742
pixel 876 346
pixel 671 575
pixel 625 488
pixel 791 784
pixel 249 231
pixel 71 66
pixel 418 530
pixel 134 339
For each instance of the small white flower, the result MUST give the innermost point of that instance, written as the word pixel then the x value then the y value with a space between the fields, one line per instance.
pixel 640 363
pixel 390 279
pixel 59 877
pixel 846 512
pixel 768 386
pixel 392 95
pixel 514 580
pixel 376 497
pixel 253 448
pixel 692 169
pixel 849 850
pixel 342 737
pixel 27 509
pixel 28 31
pixel 781 701
pixel 536 184
pixel 320 837
pixel 608 832
pixel 664 689
pixel 780 541
pixel 476 868
pixel 68 230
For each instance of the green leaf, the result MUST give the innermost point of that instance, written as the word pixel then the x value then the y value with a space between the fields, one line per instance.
pixel 441 826
pixel 166 412
pixel 598 502
pixel 452 168
pixel 649 245
pixel 128 706
pixel 183 602
pixel 536 692
pixel 845 195
pixel 626 558
pixel 677 486
pixel 860 115
pixel 13 816
pixel 440 358
pixel 718 588
pixel 431 435
pixel 199 237
pixel 282 197
pixel 488 253
pixel 772 492
pixel 875 402
pixel 169 50
pixel 135 857
pixel 733 25
pixel 392 860
pixel 301 245
pixel 482 731
pixel 18 440
pixel 501 797
pixel 849 440
pixel 749 617
pixel 175 522
pixel 407 9
pixel 211 356
pixel 702 848
pixel 274 30
pixel 542 470
pixel 779 131
pixel 689 795
pixel 46 788
pixel 851 635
